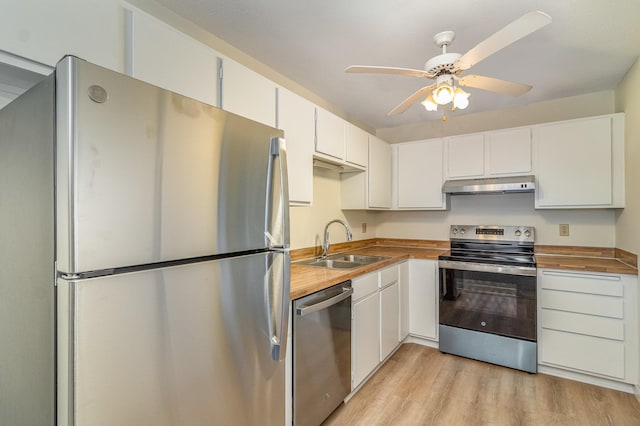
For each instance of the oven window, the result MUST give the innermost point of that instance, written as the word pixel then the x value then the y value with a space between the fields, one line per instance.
pixel 489 302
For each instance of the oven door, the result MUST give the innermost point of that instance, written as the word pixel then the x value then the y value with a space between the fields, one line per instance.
pixel 489 298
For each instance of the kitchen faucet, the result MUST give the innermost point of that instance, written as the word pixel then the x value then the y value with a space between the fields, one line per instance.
pixel 325 243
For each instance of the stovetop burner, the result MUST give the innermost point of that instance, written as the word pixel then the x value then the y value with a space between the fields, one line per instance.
pixel 500 245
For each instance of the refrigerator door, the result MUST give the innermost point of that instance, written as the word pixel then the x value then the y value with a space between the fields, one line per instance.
pixel 184 345
pixel 145 175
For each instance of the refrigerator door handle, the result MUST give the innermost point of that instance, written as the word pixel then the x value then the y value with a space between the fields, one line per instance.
pixel 278 304
pixel 277 215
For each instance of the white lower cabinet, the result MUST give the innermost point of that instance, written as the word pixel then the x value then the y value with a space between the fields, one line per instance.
pixel 389 319
pixel 403 282
pixel 587 323
pixel 365 336
pixel 423 298
pixel 375 321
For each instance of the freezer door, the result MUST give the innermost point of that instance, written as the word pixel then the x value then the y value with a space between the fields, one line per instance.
pixel 185 345
pixel 145 175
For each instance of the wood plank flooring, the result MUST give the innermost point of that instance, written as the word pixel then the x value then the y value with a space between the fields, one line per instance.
pixel 421 386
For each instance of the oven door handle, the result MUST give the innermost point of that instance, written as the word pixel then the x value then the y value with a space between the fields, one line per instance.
pixel 527 271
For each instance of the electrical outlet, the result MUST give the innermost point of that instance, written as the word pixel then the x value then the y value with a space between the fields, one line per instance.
pixel 564 229
pixel 364 228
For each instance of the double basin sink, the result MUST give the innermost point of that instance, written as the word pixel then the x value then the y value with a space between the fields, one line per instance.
pixel 342 261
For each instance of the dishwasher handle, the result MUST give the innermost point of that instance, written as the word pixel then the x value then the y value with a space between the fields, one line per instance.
pixel 306 310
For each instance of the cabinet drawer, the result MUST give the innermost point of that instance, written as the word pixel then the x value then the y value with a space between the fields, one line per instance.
pixel 608 328
pixel 364 285
pixel 592 304
pixel 388 276
pixel 606 285
pixel 586 353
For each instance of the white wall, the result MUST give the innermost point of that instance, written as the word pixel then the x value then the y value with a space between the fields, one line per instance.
pixel 307 223
pixel 588 105
pixel 587 227
pixel 628 220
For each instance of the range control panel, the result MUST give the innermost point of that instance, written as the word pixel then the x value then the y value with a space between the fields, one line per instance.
pixel 492 233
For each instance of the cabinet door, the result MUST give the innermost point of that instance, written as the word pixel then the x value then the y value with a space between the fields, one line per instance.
pixel 574 164
pixel 389 319
pixel 357 145
pixel 465 156
pixel 165 57
pixel 353 191
pixel 379 173
pixel 365 347
pixel 403 282
pixel 423 298
pixel 588 322
pixel 247 93
pixel 296 116
pixel 46 31
pixel 329 134
pixel 509 152
pixel 420 175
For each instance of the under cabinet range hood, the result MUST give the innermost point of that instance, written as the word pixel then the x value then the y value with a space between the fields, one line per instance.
pixel 502 185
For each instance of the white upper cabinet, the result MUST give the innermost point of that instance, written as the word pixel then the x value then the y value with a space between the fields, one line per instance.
pixel 420 175
pixel 465 156
pixel 580 163
pixel 44 31
pixel 356 145
pixel 370 189
pixel 165 57
pixel 508 152
pixel 379 173
pixel 330 131
pixel 490 154
pixel 247 93
pixel 296 116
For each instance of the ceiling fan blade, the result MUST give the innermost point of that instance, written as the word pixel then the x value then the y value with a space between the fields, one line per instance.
pixel 387 70
pixel 520 28
pixel 494 84
pixel 415 96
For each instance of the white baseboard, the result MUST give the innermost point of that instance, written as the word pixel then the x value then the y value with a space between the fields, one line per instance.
pixel 421 341
pixel 592 380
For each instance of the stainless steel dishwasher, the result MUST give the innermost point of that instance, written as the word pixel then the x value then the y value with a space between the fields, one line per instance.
pixel 321 353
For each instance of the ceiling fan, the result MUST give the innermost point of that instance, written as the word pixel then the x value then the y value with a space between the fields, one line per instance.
pixel 446 67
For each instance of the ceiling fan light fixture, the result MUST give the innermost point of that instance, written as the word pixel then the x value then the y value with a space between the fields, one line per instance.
pixel 443 94
pixel 429 103
pixel 460 98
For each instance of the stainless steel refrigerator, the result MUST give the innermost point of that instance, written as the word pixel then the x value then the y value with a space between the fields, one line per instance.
pixel 144 266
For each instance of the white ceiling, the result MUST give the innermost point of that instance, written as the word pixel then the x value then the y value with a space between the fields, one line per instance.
pixel 588 47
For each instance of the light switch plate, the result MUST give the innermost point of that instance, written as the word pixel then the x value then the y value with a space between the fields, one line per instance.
pixel 364 228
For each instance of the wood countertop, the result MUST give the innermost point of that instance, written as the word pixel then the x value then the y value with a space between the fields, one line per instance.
pixel 584 264
pixel 309 279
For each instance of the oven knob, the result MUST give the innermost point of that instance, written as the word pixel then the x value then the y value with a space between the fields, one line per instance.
pixel 527 233
pixel 462 231
pixel 484 324
pixel 518 233
pixel 455 231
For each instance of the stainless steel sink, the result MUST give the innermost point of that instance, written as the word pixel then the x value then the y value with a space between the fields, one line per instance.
pixel 343 261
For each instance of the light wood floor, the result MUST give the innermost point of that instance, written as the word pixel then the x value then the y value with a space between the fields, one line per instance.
pixel 421 386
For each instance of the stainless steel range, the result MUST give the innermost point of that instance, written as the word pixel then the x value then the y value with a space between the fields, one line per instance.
pixel 488 295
